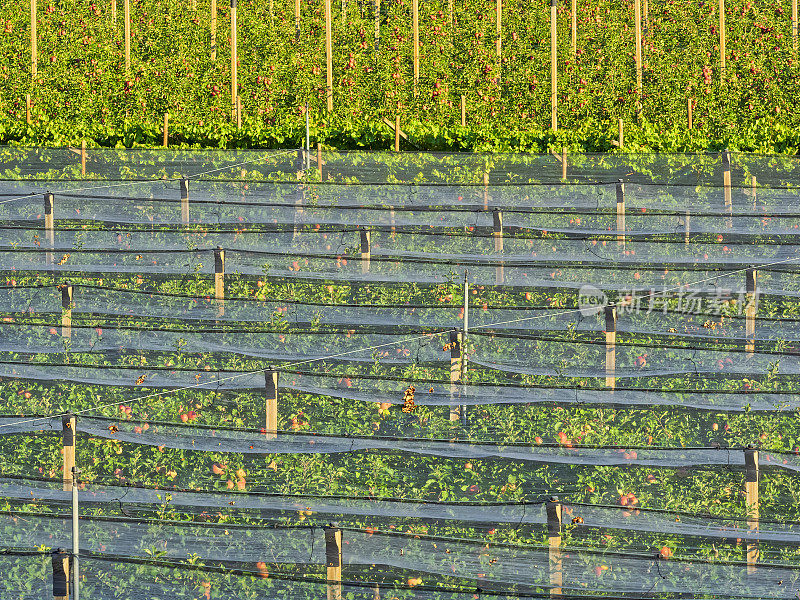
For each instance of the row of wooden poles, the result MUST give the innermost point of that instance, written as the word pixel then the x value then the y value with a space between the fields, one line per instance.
pixel 333 534
pixel 236 101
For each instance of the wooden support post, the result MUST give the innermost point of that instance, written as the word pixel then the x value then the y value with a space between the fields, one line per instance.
pixel 366 250
pixel 564 164
pixel 726 185
pixel 219 278
pixel 752 504
pixel 319 161
pixel 213 30
pixel 333 561
pixel 415 41
pixel 689 110
pixel 574 28
pixel 754 190
pixel 328 57
pixel 165 141
pixel 498 244
pixel 114 12
pixel 621 214
pixel 238 112
pixel 49 222
pixel 271 408
pixel 611 346
pixel 297 19
pixel 620 133
pixel 687 227
pixel 397 133
pixel 66 311
pixel 499 33
pixel 794 26
pixel 722 40
pixel 185 201
pixel 751 306
pixel 637 11
pixel 234 60
pixel 28 107
pixel 553 67
pixel 553 510
pixel 126 15
pixel 463 110
pixel 60 574
pixel 34 39
pixel 456 367
pixel 83 158
pixel 68 443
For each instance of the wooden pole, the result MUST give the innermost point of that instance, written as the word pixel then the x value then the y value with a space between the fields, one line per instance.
pixel 377 15
pixel 234 61
pixel 621 214
pixel 34 40
pixel 319 160
pixel 751 305
pixel 754 191
pixel 28 103
pixel 185 201
pixel 219 278
pixel 333 559
pixel 60 560
pixel 722 40
pixel 166 131
pixel 726 185
pixel 564 163
pixel 689 109
pixel 415 36
pixel 553 510
pixel 611 345
pixel 686 225
pixel 297 18
pixel 497 217
pixel 366 250
pixel 49 233
pixel 271 408
pixel 328 57
pixel 752 504
pixel 553 68
pixel 114 12
pixel 126 15
pixel 499 32
pixel 637 11
pixel 83 158
pixel 794 26
pixel 68 442
pixel 456 341
pixel 463 110
pixel 66 311
pixel 574 28
pixel 397 133
pixel 213 30
pixel 620 133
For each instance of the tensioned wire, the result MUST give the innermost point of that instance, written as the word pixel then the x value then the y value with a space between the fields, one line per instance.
pixel 394 343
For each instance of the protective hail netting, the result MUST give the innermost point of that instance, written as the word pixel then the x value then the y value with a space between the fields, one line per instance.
pixel 349 286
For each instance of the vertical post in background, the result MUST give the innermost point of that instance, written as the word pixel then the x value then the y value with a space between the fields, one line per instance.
pixel 49 233
pixel 397 133
pixel 28 107
pixel 114 12
pixel 126 15
pixel 497 218
pixel 689 110
pixel 637 16
pixel 611 346
pixel 463 110
pixel 76 579
pixel 271 403
pixel 165 141
pixel 752 504
pixel 34 40
pixel 319 160
pixel 499 33
pixel 60 574
pixel 553 510
pixel 415 38
pixel 366 250
pixel 553 67
pixel 794 26
pixel 754 190
pixel 308 144
pixel 297 19
pixel 721 40
pixel 687 227
pixel 234 60
pixel 328 57
pixel 564 163
pixel 456 356
pixel 213 25
pixel 574 28
pixel 66 311
pixel 219 278
pixel 185 201
pixel 751 306
pixel 377 15
pixel 83 158
pixel 726 186
pixel 620 133
pixel 333 561
pixel 465 329
pixel 621 214
pixel 68 443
